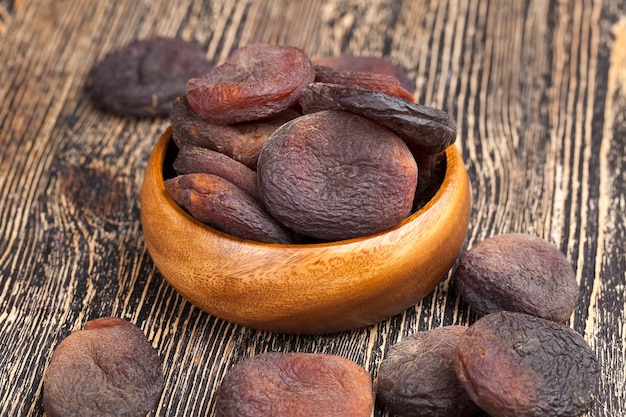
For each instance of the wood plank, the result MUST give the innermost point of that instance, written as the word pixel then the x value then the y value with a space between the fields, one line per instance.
pixel 539 92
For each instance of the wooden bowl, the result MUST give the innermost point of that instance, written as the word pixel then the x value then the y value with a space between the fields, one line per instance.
pixel 304 288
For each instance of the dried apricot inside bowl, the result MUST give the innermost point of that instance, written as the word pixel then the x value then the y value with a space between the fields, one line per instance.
pixel 304 288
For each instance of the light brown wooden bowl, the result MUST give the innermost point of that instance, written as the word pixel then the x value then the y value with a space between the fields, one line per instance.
pixel 305 288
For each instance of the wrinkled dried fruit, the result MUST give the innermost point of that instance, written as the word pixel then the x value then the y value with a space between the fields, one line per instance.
pixel 417 377
pixel 432 170
pixel 241 141
pixel 384 83
pixel 221 204
pixel 193 159
pixel 518 365
pixel 334 175
pixel 517 272
pixel 107 369
pixel 295 385
pixel 367 63
pixel 144 77
pixel 256 81
pixel 426 130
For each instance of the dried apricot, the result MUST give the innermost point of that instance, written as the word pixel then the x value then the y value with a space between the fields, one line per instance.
pixel 241 141
pixel 432 170
pixel 367 64
pixel 221 204
pixel 518 365
pixel 107 369
pixel 256 81
pixel 384 83
pixel 335 175
pixel 417 377
pixel 426 129
pixel 144 77
pixel 295 385
pixel 517 272
pixel 193 159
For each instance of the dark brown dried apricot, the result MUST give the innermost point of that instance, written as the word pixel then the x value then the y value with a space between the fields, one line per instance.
pixel 240 141
pixel 374 64
pixel 515 364
pixel 221 204
pixel 107 369
pixel 144 77
pixel 384 83
pixel 335 175
pixel 417 377
pixel 425 129
pixel 256 81
pixel 432 170
pixel 295 385
pixel 193 159
pixel 517 272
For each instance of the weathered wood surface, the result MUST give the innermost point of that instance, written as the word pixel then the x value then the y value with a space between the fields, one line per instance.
pixel 538 89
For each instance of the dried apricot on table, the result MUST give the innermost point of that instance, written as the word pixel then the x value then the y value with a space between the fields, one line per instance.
pixel 108 368
pixel 144 77
pixel 518 365
pixel 295 385
pixel 417 378
pixel 335 175
pixel 256 81
pixel 517 272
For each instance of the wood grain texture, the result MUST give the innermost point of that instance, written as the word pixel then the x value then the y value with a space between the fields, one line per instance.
pixel 538 90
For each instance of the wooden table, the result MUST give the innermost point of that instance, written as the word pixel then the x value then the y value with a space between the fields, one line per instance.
pixel 538 89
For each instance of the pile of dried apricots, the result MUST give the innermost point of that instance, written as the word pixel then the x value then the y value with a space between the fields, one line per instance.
pixel 277 148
